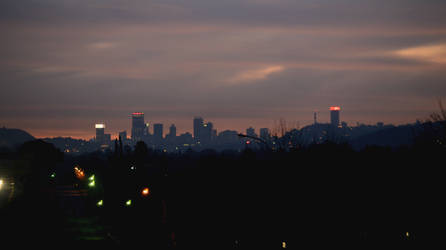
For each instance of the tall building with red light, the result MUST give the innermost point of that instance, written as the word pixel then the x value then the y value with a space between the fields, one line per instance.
pixel 138 126
pixel 334 116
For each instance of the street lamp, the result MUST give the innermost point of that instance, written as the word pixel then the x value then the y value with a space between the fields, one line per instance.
pixel 255 138
pixel 92 182
pixel 145 191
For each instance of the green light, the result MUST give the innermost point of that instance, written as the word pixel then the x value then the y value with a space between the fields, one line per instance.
pixel 91 178
pixel 53 175
pixel 128 203
pixel 91 184
pixel 100 203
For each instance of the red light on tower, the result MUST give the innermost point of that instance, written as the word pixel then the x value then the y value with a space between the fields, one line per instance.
pixel 335 108
pixel 137 113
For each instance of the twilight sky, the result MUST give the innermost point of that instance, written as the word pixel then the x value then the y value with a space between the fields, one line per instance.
pixel 68 64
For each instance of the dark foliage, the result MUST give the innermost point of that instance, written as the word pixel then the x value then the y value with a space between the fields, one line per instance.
pixel 323 194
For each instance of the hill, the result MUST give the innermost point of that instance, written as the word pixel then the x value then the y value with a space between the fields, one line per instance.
pixel 12 137
pixel 393 137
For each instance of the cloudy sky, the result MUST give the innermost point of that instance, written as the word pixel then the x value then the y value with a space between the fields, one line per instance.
pixel 68 64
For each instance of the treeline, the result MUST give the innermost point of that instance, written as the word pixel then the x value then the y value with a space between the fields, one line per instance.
pixel 322 193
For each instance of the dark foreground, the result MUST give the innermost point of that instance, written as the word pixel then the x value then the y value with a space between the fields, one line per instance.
pixel 323 196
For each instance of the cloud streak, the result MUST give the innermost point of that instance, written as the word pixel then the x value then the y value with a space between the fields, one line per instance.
pixel 434 53
pixel 254 75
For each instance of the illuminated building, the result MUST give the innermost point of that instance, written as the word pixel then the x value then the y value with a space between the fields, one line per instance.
pixel 138 126
pixel 206 133
pixel 334 116
pixel 100 136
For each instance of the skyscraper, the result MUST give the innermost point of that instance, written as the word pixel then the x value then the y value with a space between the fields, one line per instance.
pixel 206 133
pixel 251 132
pixel 102 138
pixel 172 131
pixel 198 125
pixel 334 116
pixel 138 126
pixel 157 132
pixel 100 135
pixel 123 135
pixel 264 134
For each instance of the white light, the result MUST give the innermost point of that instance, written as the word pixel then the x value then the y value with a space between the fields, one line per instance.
pixel 1 184
pixel 99 125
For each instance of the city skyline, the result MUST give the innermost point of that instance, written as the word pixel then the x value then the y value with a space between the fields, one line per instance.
pixel 66 65
pixel 187 126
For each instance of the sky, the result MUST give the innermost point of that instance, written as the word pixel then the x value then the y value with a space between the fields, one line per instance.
pixel 68 64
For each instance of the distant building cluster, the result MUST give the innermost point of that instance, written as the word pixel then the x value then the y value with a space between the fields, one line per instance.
pixel 205 136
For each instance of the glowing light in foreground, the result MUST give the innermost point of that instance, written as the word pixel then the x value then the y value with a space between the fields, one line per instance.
pixel 128 203
pixel 407 234
pixel 145 191
pixel 91 184
pixel 100 203
pixel 283 244
pixel 80 174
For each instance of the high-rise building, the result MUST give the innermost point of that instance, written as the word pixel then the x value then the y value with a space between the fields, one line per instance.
pixel 138 126
pixel 251 132
pixel 198 125
pixel 206 133
pixel 157 132
pixel 123 135
pixel 100 133
pixel 334 116
pixel 102 139
pixel 172 131
pixel 146 129
pixel 264 134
